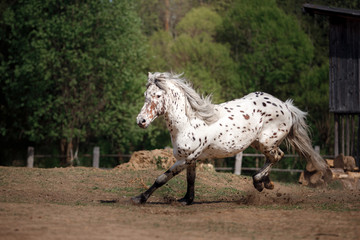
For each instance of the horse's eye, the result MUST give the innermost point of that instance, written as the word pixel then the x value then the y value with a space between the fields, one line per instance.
pixel 158 96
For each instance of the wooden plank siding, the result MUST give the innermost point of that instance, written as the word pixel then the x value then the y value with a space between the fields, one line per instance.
pixel 344 66
pixel 344 54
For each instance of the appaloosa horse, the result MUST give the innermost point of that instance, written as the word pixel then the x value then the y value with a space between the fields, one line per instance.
pixel 201 130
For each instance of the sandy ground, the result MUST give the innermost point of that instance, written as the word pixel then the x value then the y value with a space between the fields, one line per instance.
pixel 86 203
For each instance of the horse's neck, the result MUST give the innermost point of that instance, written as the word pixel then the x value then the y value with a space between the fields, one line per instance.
pixel 175 116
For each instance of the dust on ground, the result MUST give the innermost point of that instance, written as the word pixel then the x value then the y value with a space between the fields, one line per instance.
pixel 87 203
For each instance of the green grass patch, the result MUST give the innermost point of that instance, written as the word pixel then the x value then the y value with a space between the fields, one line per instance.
pixel 281 207
pixel 336 207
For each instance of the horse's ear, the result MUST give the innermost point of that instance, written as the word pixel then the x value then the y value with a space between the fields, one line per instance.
pixel 149 75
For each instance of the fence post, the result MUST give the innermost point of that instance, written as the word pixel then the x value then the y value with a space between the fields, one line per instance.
pixel 238 163
pixel 96 157
pixel 30 157
pixel 317 149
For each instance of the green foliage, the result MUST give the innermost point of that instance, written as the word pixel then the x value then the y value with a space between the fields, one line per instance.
pixel 194 51
pixel 199 22
pixel 270 47
pixel 73 70
pixel 157 15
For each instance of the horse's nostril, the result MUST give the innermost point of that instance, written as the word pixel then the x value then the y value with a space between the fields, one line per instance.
pixel 143 121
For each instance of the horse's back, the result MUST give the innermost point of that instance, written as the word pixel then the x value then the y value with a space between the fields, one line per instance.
pixel 258 116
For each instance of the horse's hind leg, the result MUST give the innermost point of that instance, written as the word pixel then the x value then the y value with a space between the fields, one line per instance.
pixel 190 177
pixel 161 180
pixel 261 179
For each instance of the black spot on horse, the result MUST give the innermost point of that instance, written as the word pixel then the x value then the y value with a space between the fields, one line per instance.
pixel 264 104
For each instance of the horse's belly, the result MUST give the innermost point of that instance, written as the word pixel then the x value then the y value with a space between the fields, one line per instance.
pixel 215 151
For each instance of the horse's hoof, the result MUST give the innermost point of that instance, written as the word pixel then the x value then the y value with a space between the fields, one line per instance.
pixel 185 201
pixel 258 185
pixel 138 200
pixel 269 185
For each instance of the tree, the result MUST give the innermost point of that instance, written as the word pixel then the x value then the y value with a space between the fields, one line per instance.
pixel 164 15
pixel 270 48
pixel 194 51
pixel 71 71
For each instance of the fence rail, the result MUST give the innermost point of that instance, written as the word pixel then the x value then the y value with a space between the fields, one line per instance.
pixel 257 169
pixel 237 168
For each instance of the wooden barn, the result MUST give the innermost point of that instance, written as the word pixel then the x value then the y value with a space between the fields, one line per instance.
pixel 344 76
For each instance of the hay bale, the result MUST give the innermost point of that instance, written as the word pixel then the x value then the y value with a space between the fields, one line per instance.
pixel 157 159
pixel 339 161
pixel 349 163
pixel 345 162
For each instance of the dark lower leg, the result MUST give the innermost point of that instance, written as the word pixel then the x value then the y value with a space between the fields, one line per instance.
pixel 190 177
pixel 261 178
pixel 161 180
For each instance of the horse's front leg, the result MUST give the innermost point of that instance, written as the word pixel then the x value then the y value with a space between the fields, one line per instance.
pixel 190 177
pixel 161 180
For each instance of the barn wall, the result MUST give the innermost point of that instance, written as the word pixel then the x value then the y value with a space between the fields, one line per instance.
pixel 344 65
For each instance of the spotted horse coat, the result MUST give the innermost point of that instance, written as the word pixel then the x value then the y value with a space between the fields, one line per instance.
pixel 201 130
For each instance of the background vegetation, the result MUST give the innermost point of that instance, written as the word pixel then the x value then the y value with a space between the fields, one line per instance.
pixel 72 73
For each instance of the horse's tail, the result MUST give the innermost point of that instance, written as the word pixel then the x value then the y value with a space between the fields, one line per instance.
pixel 299 139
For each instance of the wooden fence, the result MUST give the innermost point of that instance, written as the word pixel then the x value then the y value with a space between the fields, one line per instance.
pixel 31 156
pixel 96 156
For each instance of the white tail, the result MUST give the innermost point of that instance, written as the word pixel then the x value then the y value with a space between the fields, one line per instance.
pixel 299 139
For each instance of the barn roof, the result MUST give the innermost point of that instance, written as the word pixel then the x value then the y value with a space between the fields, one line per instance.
pixel 332 11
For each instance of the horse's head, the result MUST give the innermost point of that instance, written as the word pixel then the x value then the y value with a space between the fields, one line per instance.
pixel 154 105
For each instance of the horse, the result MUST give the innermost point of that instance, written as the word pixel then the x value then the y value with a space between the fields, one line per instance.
pixel 201 130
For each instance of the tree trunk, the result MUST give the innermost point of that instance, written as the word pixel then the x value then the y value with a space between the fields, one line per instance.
pixel 69 153
pixel 63 152
pixel 167 15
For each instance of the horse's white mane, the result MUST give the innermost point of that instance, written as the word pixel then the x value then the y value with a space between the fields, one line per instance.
pixel 200 106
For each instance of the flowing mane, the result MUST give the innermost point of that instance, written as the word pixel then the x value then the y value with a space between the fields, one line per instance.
pixel 200 106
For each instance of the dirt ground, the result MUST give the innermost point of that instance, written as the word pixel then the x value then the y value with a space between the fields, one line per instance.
pixel 87 203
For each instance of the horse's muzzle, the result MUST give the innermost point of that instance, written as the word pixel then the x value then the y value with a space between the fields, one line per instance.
pixel 141 122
